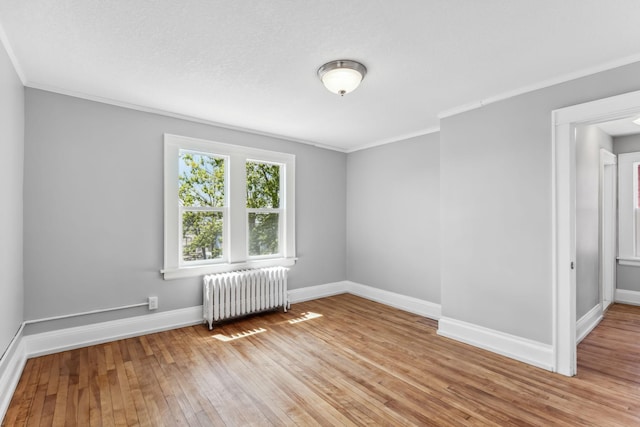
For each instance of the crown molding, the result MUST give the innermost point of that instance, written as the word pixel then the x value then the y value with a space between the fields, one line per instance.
pixel 541 85
pixel 145 109
pixel 444 114
pixel 4 40
pixel 404 137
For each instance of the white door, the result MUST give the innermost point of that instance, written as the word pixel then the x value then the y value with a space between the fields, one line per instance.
pixel 608 226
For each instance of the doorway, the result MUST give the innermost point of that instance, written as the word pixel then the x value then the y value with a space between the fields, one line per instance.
pixel 565 122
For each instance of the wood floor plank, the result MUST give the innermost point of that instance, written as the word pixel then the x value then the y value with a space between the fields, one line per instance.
pixel 144 419
pixel 54 377
pixel 340 360
pixel 60 411
pixel 106 408
pixel 35 413
pixel 28 385
pixel 95 418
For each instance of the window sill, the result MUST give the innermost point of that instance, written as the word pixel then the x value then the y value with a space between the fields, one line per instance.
pixel 634 262
pixel 201 270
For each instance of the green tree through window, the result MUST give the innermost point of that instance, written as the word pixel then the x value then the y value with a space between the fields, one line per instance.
pixel 202 200
pixel 226 207
pixel 263 207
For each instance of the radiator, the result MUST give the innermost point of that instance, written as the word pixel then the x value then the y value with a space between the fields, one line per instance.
pixel 237 293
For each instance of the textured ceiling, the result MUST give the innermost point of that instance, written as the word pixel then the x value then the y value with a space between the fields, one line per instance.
pixel 252 64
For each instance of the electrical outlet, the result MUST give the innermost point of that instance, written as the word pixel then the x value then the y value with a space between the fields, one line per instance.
pixel 153 303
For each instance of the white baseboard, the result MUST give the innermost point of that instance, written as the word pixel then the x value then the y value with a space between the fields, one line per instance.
pixel 11 366
pixel 518 348
pixel 588 322
pixel 627 297
pixel 97 333
pixel 403 302
pixel 318 291
pixel 27 346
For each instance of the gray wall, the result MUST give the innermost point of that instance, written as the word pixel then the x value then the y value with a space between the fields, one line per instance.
pixel 94 201
pixel 393 217
pixel 496 205
pixel 627 277
pixel 11 184
pixel 589 141
pixel 626 144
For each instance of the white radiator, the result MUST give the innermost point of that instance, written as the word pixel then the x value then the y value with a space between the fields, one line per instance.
pixel 234 294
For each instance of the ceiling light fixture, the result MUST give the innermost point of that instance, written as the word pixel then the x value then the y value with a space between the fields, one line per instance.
pixel 637 120
pixel 342 76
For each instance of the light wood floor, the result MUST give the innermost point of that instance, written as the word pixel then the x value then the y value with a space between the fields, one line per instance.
pixel 336 361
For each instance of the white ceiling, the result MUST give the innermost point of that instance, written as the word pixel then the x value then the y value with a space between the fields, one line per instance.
pixel 252 64
pixel 620 127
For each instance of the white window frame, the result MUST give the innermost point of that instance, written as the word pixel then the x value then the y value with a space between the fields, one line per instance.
pixel 280 211
pixel 628 212
pixel 235 234
pixel 223 209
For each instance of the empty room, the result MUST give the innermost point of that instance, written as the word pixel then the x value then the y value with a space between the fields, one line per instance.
pixel 220 213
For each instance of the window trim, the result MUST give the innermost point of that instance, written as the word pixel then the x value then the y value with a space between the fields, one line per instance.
pixel 236 251
pixel 223 209
pixel 627 210
pixel 281 211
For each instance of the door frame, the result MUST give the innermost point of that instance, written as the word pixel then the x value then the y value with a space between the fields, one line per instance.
pixel 563 152
pixel 608 227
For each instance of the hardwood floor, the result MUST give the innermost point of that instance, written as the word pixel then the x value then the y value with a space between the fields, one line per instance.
pixel 336 361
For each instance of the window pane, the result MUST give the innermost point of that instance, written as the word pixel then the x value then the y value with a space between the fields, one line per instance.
pixel 263 185
pixel 263 233
pixel 201 235
pixel 201 179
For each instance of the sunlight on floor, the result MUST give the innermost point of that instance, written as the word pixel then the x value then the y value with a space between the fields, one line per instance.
pixel 305 316
pixel 239 335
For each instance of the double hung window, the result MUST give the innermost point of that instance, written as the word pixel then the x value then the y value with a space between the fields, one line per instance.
pixel 202 207
pixel 629 208
pixel 226 207
pixel 263 208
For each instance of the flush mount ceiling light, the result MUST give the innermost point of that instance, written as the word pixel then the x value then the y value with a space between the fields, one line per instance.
pixel 636 120
pixel 342 76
